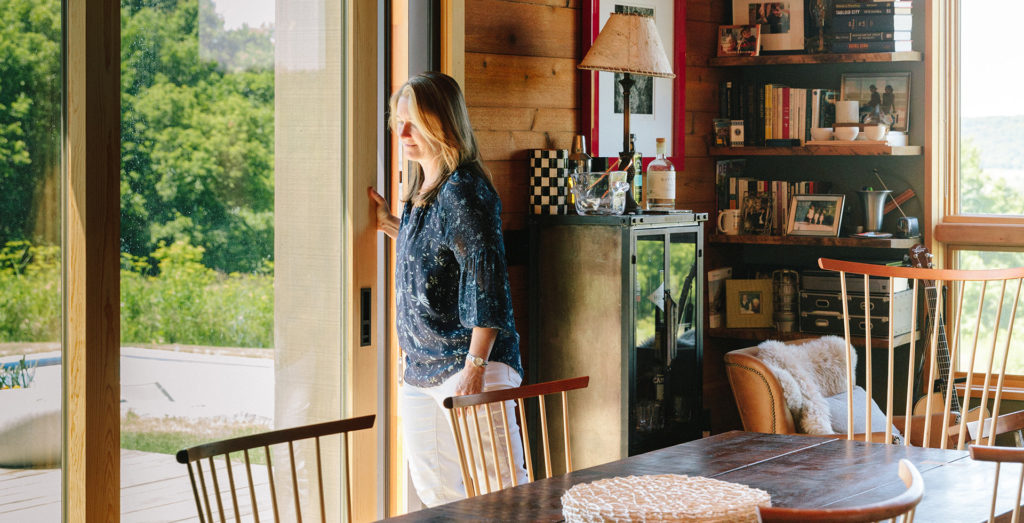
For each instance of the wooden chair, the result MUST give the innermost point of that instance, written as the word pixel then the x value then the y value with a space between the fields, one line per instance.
pixel 971 302
pixel 1001 455
pixel 210 485
pixel 890 509
pixel 479 458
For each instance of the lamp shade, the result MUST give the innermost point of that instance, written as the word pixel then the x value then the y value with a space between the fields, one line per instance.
pixel 629 43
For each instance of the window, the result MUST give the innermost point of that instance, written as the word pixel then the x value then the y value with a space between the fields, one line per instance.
pixel 991 180
pixel 977 165
pixel 30 256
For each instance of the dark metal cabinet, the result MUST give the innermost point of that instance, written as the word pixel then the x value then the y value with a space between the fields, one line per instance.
pixel 618 298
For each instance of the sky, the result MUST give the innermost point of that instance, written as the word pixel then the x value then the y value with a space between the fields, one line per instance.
pixel 990 62
pixel 252 12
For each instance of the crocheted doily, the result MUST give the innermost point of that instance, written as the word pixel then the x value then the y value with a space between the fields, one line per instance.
pixel 665 497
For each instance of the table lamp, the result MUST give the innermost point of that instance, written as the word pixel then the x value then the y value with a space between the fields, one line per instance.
pixel 628 44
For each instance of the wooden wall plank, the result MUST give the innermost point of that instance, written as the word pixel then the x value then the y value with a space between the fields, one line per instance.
pixel 522 29
pixel 515 145
pixel 520 81
pixel 523 119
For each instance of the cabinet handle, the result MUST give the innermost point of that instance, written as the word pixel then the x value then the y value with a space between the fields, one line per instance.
pixel 821 302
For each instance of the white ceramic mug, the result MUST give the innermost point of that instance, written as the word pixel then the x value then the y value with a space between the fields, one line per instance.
pixel 729 221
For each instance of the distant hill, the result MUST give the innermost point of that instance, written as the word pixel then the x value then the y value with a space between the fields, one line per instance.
pixel 1000 139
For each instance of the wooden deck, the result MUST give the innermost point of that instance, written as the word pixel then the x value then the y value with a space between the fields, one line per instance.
pixel 154 487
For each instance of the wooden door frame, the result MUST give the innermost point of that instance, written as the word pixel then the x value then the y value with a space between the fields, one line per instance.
pixel 91 485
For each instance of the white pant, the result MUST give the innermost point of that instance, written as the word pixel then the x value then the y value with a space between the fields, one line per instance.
pixel 430 444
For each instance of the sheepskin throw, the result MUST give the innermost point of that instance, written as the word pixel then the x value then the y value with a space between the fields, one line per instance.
pixel 809 373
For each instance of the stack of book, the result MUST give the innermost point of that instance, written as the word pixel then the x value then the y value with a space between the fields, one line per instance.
pixel 764 204
pixel 775 114
pixel 868 26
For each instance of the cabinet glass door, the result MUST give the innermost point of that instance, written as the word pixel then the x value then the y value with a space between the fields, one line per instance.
pixel 684 372
pixel 665 386
pixel 648 361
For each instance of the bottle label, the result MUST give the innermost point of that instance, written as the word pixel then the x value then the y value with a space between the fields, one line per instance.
pixel 661 185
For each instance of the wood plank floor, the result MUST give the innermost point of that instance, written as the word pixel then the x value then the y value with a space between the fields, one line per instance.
pixel 154 487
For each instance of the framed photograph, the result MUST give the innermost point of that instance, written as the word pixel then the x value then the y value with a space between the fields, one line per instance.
pixel 782 23
pixel 756 216
pixel 739 40
pixel 654 102
pixel 887 94
pixel 815 214
pixel 748 304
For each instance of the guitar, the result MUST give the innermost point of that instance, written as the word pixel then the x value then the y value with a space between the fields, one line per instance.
pixel 920 257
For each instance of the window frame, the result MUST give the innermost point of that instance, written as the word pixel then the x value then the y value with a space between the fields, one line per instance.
pixel 954 230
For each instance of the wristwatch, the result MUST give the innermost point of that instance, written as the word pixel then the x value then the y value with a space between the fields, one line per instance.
pixel 476 361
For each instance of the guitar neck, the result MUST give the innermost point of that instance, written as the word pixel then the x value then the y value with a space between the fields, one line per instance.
pixel 942 348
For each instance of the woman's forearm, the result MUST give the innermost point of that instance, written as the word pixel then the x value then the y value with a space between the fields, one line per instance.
pixel 481 341
pixel 390 226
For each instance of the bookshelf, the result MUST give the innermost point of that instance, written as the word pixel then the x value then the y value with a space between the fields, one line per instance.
pixel 826 58
pixel 820 150
pixel 816 241
pixel 759 335
pixel 846 166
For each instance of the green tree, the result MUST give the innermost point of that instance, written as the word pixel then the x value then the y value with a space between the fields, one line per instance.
pixel 30 36
pixel 197 138
pixel 982 193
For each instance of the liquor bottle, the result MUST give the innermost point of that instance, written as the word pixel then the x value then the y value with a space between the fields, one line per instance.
pixel 661 181
pixel 636 172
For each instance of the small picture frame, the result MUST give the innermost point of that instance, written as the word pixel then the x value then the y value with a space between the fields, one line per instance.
pixel 782 23
pixel 739 40
pixel 756 217
pixel 815 214
pixel 748 304
pixel 886 94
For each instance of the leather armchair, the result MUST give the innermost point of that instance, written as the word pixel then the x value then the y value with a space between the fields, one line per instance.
pixel 762 407
pixel 758 393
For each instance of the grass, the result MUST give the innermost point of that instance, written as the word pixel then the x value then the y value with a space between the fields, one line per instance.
pixel 168 435
pixel 181 301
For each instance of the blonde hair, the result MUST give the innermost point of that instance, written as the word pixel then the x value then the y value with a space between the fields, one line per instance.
pixel 438 109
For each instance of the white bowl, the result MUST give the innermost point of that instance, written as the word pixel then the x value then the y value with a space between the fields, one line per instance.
pixel 847 134
pixel 821 134
pixel 875 132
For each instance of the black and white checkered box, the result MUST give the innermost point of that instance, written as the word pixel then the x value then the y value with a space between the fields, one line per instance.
pixel 549 181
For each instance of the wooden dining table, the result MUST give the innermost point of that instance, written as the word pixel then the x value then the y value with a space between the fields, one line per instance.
pixel 798 471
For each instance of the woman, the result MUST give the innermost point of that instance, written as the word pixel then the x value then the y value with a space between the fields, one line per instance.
pixel 454 310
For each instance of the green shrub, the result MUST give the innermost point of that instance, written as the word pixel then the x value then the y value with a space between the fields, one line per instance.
pixel 184 302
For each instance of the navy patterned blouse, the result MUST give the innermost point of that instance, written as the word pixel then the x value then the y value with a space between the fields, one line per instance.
pixel 450 277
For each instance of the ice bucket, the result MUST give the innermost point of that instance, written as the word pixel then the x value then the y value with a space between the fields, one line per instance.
pixel 600 192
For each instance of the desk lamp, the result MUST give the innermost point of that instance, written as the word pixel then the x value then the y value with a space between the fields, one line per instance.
pixel 628 44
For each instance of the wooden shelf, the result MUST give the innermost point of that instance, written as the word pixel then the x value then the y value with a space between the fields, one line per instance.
pixel 816 241
pixel 827 58
pixel 820 150
pixel 760 335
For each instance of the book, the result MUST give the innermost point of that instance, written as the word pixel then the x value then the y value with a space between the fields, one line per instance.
pixel 721 127
pixel 870 8
pixel 716 295
pixel 871 47
pixel 726 171
pixel 872 4
pixel 871 23
pixel 873 36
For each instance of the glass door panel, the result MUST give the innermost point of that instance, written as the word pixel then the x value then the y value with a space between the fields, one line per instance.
pixel 232 204
pixel 30 261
